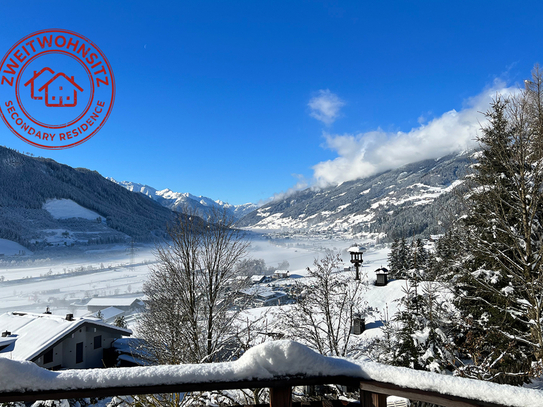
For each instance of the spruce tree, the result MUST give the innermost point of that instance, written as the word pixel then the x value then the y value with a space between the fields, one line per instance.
pixel 394 263
pixel 500 289
pixel 407 352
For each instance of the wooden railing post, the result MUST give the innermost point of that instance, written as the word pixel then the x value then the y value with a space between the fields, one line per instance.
pixel 368 399
pixel 281 396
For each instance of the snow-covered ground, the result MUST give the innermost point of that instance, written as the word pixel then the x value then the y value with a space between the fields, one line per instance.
pixel 32 283
pixel 9 248
pixel 66 209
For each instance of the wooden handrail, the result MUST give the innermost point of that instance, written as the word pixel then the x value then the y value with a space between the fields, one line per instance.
pixel 445 400
pixel 372 393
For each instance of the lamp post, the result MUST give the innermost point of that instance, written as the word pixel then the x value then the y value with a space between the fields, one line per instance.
pixel 356 252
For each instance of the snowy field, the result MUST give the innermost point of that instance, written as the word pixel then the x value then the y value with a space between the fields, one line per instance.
pixel 9 248
pixel 66 209
pixel 32 283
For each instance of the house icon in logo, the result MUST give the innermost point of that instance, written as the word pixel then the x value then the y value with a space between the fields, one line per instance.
pixel 60 90
pixel 39 78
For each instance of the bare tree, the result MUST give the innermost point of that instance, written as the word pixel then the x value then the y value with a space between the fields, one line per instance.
pixel 324 314
pixel 190 292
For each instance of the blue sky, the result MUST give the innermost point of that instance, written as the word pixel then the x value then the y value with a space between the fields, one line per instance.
pixel 241 100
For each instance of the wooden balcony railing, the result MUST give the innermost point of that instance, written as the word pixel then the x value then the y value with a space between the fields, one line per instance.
pixel 279 366
pixel 372 393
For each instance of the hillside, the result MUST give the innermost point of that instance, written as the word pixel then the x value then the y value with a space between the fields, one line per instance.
pixel 27 184
pixel 412 200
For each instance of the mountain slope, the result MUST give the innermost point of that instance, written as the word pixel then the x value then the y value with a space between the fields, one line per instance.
pixel 414 199
pixel 177 201
pixel 27 183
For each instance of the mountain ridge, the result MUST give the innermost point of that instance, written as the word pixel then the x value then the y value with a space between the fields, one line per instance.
pixel 181 201
pixel 414 199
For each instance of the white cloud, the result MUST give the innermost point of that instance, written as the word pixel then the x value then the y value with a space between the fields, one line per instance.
pixel 302 183
pixel 365 154
pixel 325 107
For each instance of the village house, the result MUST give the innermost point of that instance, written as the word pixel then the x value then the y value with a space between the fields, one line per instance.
pixel 123 304
pixel 55 342
pixel 281 274
pixel 261 296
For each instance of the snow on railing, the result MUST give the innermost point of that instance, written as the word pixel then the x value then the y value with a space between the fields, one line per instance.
pixel 278 365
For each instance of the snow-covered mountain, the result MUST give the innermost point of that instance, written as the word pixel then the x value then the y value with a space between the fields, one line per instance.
pixel 411 200
pixel 179 201
pixel 44 203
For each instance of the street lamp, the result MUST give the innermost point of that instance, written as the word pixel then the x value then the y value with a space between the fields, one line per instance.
pixel 356 252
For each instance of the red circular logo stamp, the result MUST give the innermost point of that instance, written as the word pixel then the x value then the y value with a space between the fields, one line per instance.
pixel 56 89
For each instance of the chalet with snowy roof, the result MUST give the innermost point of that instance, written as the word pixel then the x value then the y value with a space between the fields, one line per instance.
pixel 281 274
pixel 55 342
pixel 131 352
pixel 123 304
pixel 264 297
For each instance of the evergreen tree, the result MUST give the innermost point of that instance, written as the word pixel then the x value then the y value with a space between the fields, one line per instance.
pixel 120 321
pixel 406 353
pixel 420 255
pixel 394 261
pixel 500 290
pixel 404 258
pixel 423 323
pixel 399 259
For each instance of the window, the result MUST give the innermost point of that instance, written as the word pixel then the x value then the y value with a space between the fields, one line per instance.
pixel 79 352
pixel 48 356
pixel 98 342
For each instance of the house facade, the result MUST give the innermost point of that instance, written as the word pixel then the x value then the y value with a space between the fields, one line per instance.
pixel 55 342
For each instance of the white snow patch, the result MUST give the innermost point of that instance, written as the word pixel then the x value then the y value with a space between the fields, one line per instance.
pixel 9 248
pixel 66 208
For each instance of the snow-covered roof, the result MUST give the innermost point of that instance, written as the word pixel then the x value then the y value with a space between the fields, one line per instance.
pixel 262 292
pixel 269 294
pixel 112 302
pixel 257 278
pixel 281 272
pixel 7 343
pixel 256 290
pixel 356 249
pixel 109 313
pixel 36 332
pixel 267 361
